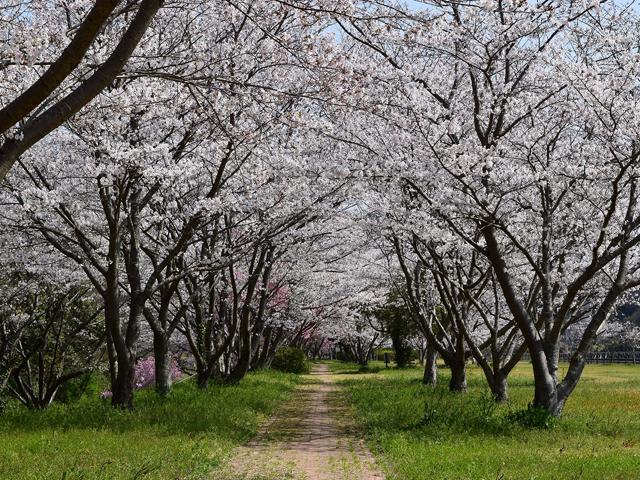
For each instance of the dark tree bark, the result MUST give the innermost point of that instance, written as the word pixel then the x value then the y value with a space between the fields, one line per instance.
pixel 241 368
pixel 40 126
pixel 162 357
pixel 458 367
pixel 500 388
pixel 64 65
pixel 550 394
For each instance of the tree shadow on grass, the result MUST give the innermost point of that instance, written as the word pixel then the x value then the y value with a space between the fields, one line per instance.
pixel 224 411
pixel 401 404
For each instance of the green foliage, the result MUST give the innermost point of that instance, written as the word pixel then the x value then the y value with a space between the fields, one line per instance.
pixel 368 369
pixel 74 390
pixel 290 360
pixel 391 355
pixel 396 321
pixel 185 435
pixel 420 432
pixel 533 417
pixel 64 336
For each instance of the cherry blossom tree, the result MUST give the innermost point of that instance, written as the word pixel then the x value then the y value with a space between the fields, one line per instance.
pixel 172 149
pixel 514 131
pixel 231 177
pixel 42 102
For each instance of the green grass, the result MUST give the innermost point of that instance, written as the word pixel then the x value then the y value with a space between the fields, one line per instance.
pixel 420 433
pixel 184 436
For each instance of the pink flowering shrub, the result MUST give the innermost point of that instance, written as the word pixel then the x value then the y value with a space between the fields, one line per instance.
pixel 145 374
pixel 106 394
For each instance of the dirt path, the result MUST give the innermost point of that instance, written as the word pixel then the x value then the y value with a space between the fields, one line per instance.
pixel 308 439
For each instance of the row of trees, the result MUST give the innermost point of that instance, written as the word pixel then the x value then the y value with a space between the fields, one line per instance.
pixel 190 202
pixel 501 168
pixel 265 172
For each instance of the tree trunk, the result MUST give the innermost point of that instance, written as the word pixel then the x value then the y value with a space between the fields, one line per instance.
pixel 545 393
pixel 244 352
pixel 203 380
pixel 112 357
pixel 430 376
pixel 545 396
pixel 362 355
pixel 125 345
pixel 122 370
pixel 400 349
pixel 552 352
pixel 500 388
pixel 551 403
pixel 458 382
pixel 122 390
pixel 162 363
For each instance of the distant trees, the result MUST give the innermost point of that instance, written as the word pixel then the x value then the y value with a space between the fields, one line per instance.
pixel 358 345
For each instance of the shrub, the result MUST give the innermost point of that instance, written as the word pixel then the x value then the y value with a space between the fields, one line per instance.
pixel 291 360
pixel 380 354
pixel 145 374
pixel 533 417
pixel 73 390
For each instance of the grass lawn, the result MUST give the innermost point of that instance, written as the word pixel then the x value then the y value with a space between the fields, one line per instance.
pixel 419 433
pixel 182 437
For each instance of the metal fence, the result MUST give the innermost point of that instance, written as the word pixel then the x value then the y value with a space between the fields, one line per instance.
pixel 632 358
pixel 609 357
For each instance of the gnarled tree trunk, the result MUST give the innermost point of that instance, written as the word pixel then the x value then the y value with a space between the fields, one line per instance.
pixel 458 381
pixel 430 376
pixel 162 357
